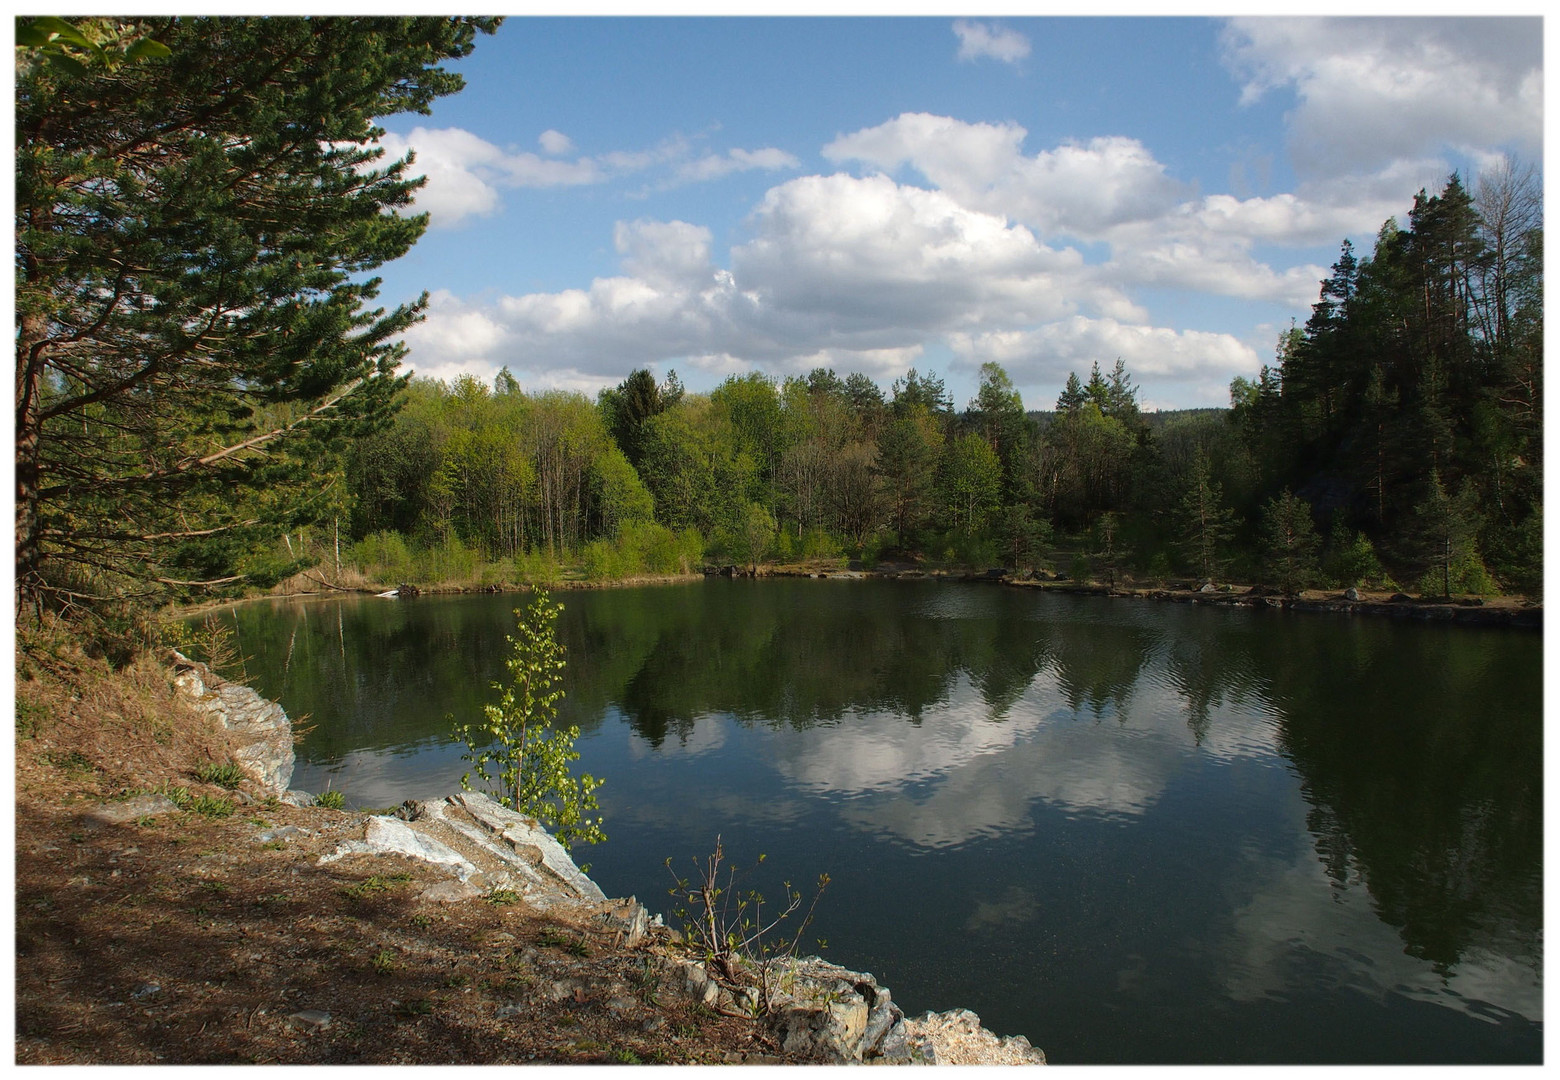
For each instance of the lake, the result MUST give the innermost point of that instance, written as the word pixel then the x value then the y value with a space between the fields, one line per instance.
pixel 1133 832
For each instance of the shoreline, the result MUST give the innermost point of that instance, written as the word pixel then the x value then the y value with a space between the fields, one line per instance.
pixel 1509 611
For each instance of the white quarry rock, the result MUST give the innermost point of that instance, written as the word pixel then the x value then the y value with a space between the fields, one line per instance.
pixel 392 836
pixel 824 1012
pixel 265 751
pixel 956 1038
pixel 527 839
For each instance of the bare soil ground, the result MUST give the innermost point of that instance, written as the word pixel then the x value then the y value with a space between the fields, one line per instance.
pixel 185 937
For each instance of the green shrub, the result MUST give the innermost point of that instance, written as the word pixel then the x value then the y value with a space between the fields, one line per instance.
pixel 538 567
pixel 448 560
pixel 871 549
pixel 1468 574
pixel 599 561
pixel 820 544
pixel 517 739
pixel 787 547
pixel 1159 567
pixel 498 571
pixel 382 556
pixel 1351 560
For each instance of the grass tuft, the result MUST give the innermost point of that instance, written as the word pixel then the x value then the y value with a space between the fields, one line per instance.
pixel 226 775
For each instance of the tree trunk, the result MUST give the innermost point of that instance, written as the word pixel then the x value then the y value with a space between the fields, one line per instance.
pixel 31 334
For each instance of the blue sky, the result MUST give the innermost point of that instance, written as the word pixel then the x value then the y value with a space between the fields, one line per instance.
pixel 723 195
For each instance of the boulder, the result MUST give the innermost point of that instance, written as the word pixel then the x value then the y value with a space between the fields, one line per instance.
pixel 526 838
pixel 132 809
pixel 822 1012
pixel 956 1038
pixel 825 1013
pixel 484 846
pixel 392 836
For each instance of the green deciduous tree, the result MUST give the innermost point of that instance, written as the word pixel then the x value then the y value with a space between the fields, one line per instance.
pixel 528 755
pixel 997 413
pixel 620 494
pixel 194 234
pixel 971 479
pixel 1351 558
pixel 1023 536
pixel 757 533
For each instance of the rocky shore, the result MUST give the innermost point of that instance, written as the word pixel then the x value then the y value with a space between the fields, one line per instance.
pixel 473 850
pixel 1468 611
pixel 1516 612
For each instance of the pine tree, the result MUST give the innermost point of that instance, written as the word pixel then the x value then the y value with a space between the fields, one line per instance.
pixel 1444 528
pixel 1206 525
pixel 194 340
pixel 1289 542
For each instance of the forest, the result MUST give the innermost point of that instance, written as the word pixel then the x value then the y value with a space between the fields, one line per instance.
pixel 1395 442
pixel 208 403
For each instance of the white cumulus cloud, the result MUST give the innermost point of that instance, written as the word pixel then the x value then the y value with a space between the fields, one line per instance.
pixel 1179 365
pixel 714 166
pixel 465 172
pixel 978 39
pixel 860 274
pixel 1076 189
pixel 555 142
pixel 664 253
pixel 1373 90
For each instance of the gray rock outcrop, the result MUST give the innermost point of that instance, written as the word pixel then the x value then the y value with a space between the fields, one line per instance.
pixel 957 1038
pixel 818 1011
pixel 264 738
pixel 481 846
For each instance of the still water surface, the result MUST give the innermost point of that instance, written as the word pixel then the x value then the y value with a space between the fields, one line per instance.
pixel 1132 832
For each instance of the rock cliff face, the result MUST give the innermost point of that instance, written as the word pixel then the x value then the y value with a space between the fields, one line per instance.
pixel 264 734
pixel 818 1011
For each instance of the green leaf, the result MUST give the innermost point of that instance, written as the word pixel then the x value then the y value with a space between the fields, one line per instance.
pixel 147 49
pixel 68 64
pixel 53 28
pixel 32 36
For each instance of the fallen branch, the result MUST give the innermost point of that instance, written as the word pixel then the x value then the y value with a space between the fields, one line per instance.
pixel 328 585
